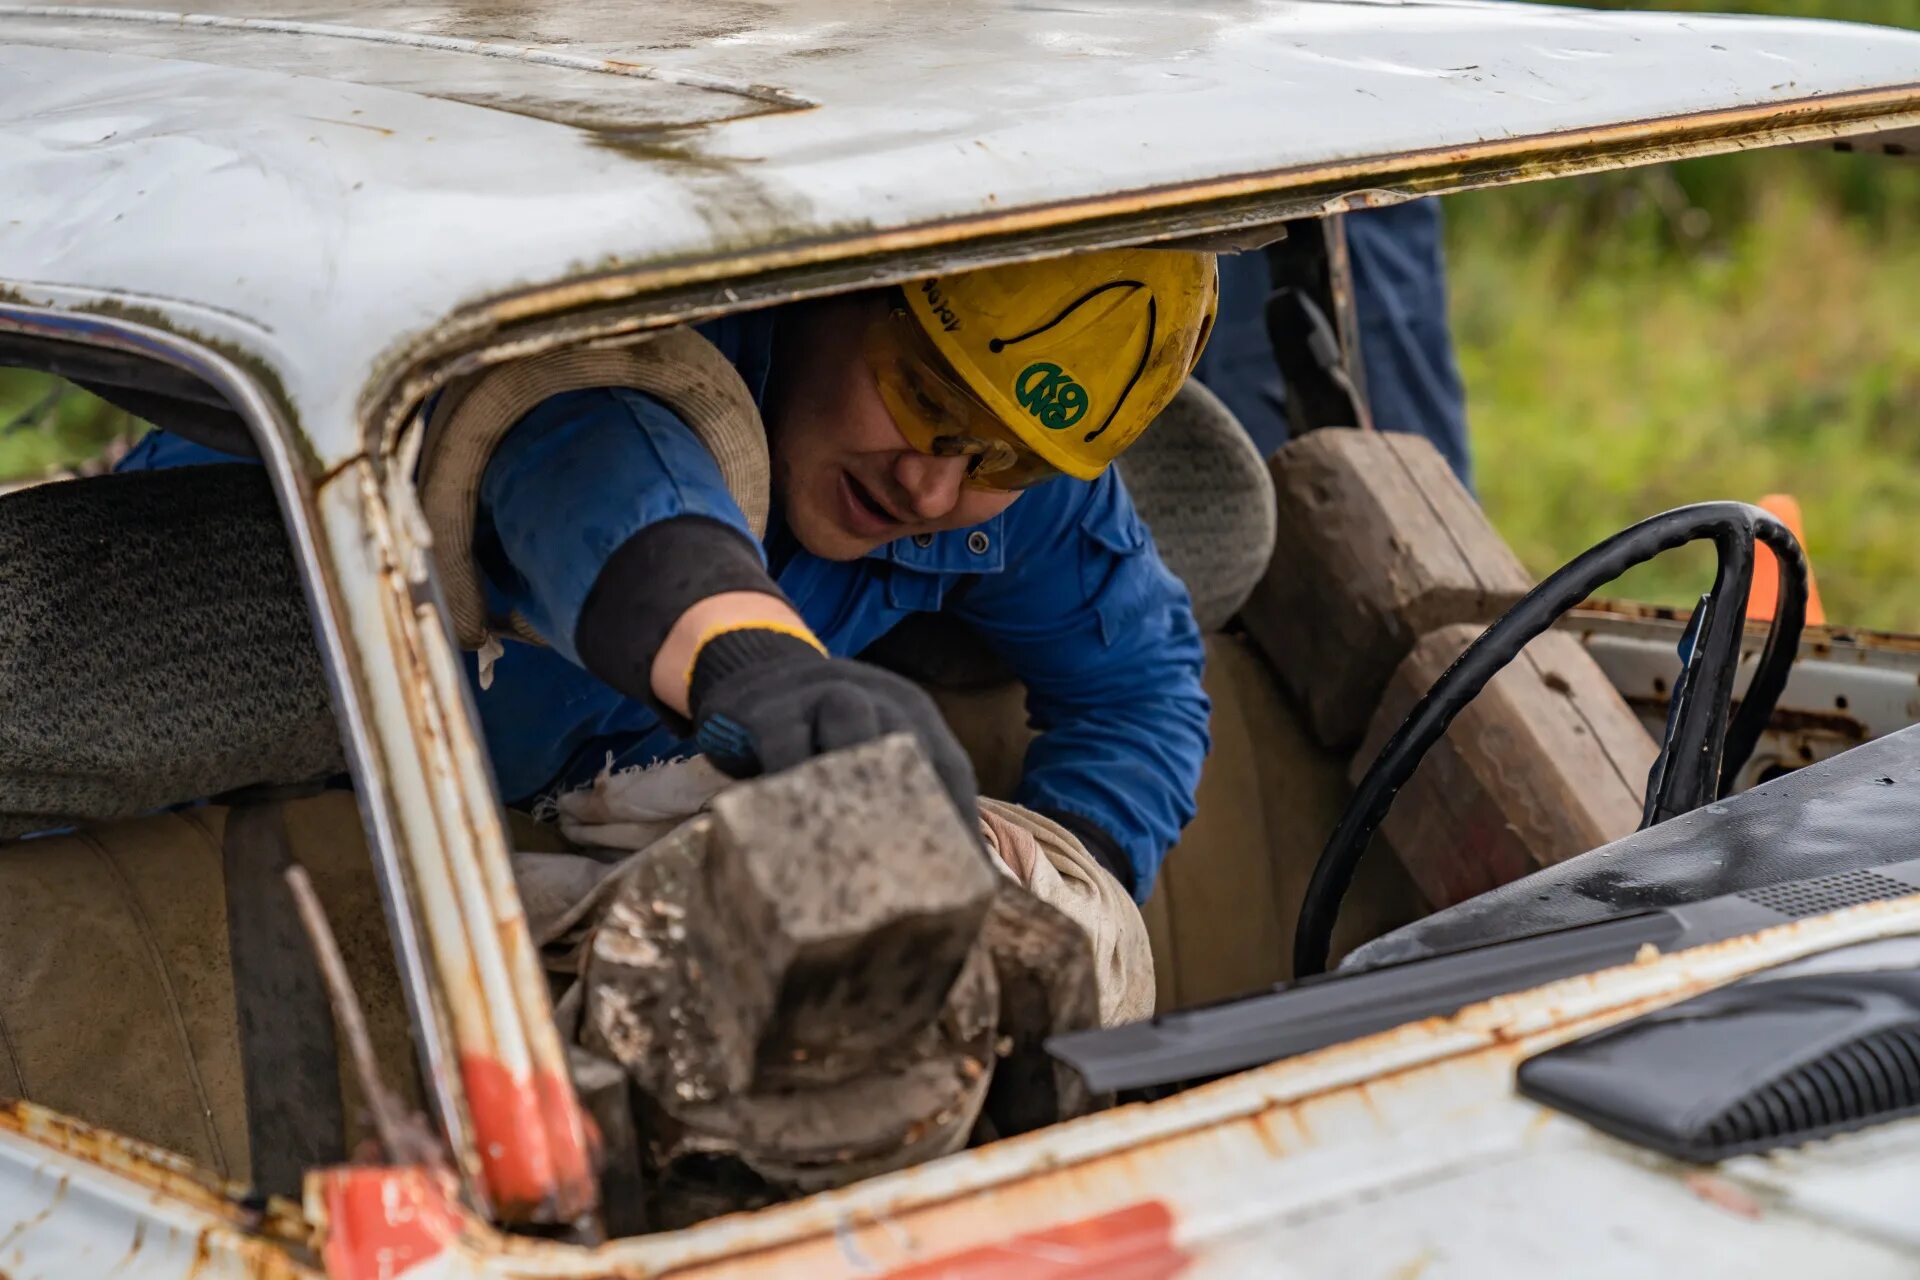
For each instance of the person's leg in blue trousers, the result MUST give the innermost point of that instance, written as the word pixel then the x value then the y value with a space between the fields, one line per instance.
pixel 1399 281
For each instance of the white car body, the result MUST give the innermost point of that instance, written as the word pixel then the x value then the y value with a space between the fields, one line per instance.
pixel 325 211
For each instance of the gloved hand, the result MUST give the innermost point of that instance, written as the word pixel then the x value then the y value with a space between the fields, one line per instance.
pixel 763 700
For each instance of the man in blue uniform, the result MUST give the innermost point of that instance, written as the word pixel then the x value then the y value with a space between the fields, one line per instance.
pixel 1400 295
pixel 944 445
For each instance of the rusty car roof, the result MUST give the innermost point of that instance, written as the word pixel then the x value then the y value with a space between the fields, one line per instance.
pixel 335 191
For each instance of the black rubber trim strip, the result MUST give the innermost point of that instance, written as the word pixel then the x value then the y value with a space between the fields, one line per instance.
pixel 648 583
pixel 1202 1043
pixel 289 1063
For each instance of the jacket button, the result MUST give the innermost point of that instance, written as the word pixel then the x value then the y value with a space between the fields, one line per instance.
pixel 977 542
pixel 922 539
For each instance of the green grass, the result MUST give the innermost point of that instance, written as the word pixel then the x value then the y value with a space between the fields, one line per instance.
pixel 1723 328
pixel 48 426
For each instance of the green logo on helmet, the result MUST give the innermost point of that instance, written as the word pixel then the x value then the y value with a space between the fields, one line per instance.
pixel 1050 394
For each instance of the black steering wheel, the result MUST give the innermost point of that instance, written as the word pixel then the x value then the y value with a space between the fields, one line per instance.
pixel 1702 754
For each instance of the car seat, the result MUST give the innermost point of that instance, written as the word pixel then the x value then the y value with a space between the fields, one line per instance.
pixel 154 979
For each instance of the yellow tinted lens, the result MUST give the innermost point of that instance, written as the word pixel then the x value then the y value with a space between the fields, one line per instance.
pixel 939 416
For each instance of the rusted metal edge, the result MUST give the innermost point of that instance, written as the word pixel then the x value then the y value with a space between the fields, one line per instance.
pixel 529 1158
pixel 161 1173
pixel 497 1076
pixel 1894 142
pixel 678 292
pixel 1065 1155
pixel 1104 1163
pixel 1816 639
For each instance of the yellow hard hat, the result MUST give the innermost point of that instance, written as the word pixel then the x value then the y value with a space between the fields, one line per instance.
pixel 1074 355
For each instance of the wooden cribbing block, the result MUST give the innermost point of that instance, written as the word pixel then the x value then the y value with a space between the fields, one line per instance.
pixel 1378 545
pixel 1548 762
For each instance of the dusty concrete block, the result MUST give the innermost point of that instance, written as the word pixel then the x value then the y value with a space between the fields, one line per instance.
pixel 917 1102
pixel 851 893
pixel 814 922
pixel 659 999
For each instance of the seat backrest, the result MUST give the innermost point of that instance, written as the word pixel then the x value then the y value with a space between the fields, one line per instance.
pixel 1221 917
pixel 1203 489
pixel 155 647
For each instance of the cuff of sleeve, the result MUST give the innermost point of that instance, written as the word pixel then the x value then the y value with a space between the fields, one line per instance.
pixel 1105 849
pixel 742 649
pixel 644 587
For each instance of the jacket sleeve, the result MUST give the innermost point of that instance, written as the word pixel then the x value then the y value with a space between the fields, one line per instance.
pixel 1105 639
pixel 571 484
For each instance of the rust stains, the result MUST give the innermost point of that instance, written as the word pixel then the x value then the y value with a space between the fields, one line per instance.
pixel 167 1177
pixel 135 1245
pixel 1723 1194
pixel 1794 723
pixel 922 1222
pixel 1324 188
pixel 519 1134
pixel 28 1223
pixel 1135 1242
pixel 269 1239
pixel 786 258
pixel 1817 639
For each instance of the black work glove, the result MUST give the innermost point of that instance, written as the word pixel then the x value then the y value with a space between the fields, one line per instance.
pixel 763 700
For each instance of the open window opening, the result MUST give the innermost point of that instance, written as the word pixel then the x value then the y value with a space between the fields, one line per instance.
pixel 168 751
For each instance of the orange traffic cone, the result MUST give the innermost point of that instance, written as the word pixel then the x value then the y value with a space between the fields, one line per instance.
pixel 1765 594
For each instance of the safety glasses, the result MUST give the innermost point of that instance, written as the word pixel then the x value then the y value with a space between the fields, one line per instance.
pixel 936 412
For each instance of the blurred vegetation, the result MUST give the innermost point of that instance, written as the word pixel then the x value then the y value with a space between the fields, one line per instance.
pixel 48 427
pixel 1721 328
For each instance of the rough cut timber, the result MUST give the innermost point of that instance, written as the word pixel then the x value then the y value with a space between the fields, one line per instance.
pixel 1548 762
pixel 1378 545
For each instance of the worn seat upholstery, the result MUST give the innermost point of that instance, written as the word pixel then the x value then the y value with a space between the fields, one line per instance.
pixel 155 647
pixel 118 1000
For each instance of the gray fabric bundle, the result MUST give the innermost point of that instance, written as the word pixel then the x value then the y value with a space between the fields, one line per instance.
pixel 154 647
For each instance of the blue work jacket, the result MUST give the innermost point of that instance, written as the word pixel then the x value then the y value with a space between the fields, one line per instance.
pixel 1064 585
pixel 1400 293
